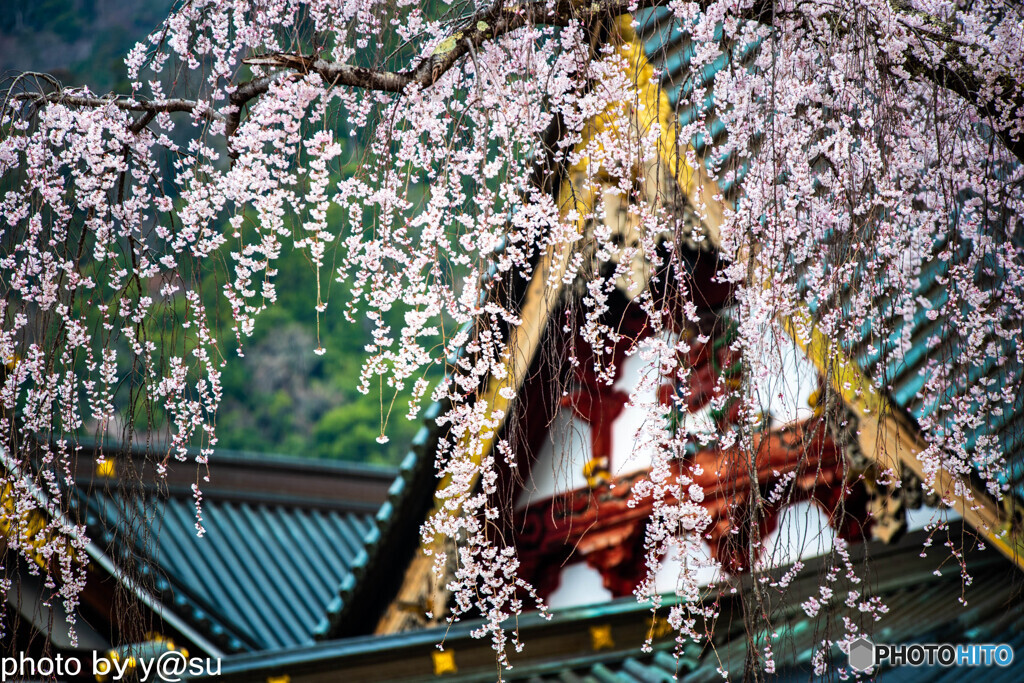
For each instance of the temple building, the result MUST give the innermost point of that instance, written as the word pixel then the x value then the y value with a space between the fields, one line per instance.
pixel 313 571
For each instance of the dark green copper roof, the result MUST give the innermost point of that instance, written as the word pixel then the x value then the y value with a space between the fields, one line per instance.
pixel 921 596
pixel 395 538
pixel 283 538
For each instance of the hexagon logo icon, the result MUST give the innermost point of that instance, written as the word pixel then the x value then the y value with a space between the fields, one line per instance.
pixel 862 654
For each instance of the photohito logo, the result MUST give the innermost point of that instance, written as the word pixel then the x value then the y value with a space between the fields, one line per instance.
pixel 864 654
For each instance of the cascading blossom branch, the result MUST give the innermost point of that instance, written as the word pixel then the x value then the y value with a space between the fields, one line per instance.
pixel 866 180
pixel 882 136
pixel 882 151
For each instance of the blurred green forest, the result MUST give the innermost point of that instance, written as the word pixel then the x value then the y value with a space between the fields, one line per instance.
pixel 80 42
pixel 280 397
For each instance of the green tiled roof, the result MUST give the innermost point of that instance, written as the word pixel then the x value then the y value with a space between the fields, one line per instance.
pixel 275 555
pixel 922 606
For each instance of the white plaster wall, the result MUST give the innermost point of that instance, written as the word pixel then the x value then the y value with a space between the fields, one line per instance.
pixel 559 465
pixel 783 378
pixel 580 584
pixel 802 532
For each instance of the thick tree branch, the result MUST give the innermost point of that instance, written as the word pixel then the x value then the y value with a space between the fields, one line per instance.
pixel 484 25
pixel 150 108
pixel 952 72
pixel 480 27
pixel 970 87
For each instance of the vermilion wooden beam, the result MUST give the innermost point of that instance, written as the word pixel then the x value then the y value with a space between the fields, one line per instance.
pixel 605 527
